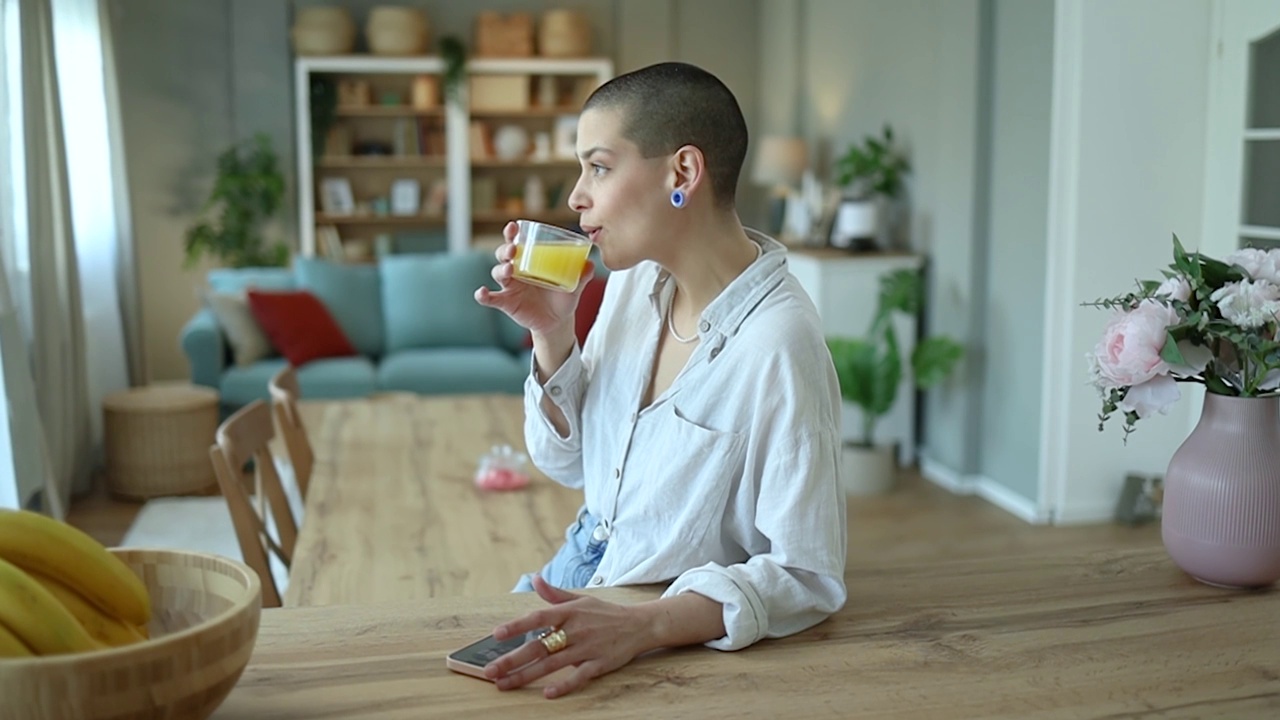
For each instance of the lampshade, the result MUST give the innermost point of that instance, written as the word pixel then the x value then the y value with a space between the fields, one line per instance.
pixel 780 160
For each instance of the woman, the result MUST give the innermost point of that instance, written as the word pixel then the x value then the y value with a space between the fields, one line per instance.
pixel 702 416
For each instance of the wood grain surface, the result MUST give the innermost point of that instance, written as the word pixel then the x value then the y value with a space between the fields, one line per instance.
pixel 393 512
pixel 1090 634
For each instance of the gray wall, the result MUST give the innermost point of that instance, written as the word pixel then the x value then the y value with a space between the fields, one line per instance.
pixel 1017 216
pixel 913 64
pixel 196 76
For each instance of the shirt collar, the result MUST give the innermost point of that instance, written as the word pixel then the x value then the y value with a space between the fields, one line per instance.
pixel 730 308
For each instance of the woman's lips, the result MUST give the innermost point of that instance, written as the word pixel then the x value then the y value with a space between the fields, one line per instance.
pixel 593 234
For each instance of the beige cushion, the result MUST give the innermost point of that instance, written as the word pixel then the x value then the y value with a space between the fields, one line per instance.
pixel 249 343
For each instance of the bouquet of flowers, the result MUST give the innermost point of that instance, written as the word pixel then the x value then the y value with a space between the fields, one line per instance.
pixel 1212 322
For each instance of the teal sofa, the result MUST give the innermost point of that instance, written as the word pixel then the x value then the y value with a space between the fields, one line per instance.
pixel 413 318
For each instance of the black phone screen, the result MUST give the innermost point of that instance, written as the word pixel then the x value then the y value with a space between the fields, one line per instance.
pixel 485 651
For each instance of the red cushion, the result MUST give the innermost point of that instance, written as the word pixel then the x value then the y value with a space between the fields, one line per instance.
pixel 588 308
pixel 299 326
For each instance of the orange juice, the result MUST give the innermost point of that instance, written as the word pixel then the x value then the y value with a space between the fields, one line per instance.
pixel 550 264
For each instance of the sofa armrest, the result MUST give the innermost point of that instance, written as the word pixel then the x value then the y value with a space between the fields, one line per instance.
pixel 204 347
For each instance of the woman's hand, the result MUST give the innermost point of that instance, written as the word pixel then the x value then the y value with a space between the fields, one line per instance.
pixel 540 310
pixel 602 637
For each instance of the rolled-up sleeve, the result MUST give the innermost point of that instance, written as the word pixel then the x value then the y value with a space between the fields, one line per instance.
pixel 559 457
pixel 801 520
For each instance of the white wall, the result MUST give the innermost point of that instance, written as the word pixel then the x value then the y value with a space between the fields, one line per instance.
pixel 1127 167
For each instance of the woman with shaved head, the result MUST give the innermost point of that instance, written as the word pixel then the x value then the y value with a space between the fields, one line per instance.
pixel 702 415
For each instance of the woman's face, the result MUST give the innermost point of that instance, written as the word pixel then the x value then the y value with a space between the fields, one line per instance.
pixel 621 197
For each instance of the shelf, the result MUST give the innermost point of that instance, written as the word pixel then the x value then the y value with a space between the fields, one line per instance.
pixel 1262 134
pixel 540 66
pixel 526 163
pixel 532 112
pixel 551 216
pixel 397 162
pixel 387 111
pixel 322 219
pixel 356 63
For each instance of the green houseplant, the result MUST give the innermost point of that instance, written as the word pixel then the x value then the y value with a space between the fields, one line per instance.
pixel 246 194
pixel 871 173
pixel 870 369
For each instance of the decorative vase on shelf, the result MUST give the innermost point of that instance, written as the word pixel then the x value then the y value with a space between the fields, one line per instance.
pixel 1221 513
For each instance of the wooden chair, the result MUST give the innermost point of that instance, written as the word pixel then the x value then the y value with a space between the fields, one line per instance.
pixel 246 436
pixel 284 405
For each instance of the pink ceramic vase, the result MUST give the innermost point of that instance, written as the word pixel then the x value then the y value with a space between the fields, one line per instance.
pixel 1221 517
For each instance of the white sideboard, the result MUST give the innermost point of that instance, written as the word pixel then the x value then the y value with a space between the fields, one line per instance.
pixel 845 287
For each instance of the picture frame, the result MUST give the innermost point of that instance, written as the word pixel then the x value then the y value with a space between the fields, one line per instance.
pixel 336 197
pixel 565 137
pixel 406 197
pixel 329 239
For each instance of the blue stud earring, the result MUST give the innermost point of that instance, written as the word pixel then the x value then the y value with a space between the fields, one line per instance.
pixel 677 198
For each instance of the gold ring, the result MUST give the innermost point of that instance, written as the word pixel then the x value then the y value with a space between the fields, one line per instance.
pixel 554 640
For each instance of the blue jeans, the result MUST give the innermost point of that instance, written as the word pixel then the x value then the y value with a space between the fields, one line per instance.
pixel 575 562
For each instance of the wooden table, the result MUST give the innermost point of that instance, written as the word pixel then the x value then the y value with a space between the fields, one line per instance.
pixel 1115 634
pixel 393 512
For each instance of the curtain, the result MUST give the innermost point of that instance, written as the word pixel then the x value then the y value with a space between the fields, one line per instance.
pixel 64 241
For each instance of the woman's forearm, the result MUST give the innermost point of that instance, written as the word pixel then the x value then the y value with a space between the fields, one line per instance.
pixel 550 352
pixel 684 619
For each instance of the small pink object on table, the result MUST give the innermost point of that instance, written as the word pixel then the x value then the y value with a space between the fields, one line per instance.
pixel 502 469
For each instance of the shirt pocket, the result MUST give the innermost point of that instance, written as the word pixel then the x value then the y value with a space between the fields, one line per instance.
pixel 699 467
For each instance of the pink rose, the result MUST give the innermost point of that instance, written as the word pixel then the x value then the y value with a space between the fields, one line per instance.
pixel 1129 352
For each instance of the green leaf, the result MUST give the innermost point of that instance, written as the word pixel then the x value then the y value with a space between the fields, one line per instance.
pixel 854 360
pixel 1214 384
pixel 1170 352
pixel 934 359
pixel 1148 286
pixel 887 375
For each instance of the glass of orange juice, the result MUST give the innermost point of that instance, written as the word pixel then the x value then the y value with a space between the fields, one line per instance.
pixel 549 256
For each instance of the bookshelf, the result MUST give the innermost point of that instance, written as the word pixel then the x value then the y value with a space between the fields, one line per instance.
pixel 475 158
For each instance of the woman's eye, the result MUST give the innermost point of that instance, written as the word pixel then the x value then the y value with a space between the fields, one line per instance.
pixel 598 170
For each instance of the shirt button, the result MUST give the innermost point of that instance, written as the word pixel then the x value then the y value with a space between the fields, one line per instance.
pixel 555 389
pixel 704 326
pixel 714 353
pixel 597 580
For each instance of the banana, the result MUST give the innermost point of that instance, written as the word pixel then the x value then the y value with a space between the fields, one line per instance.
pixel 101 626
pixel 37 618
pixel 41 544
pixel 11 646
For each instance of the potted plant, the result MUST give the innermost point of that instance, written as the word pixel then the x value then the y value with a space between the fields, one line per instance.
pixel 871 174
pixel 246 194
pixel 870 369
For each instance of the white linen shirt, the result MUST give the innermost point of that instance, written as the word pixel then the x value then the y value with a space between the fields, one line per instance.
pixel 728 482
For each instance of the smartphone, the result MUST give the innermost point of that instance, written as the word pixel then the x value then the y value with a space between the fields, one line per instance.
pixel 471 659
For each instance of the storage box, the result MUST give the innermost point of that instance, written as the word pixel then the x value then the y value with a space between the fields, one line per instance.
pixel 499 93
pixel 499 35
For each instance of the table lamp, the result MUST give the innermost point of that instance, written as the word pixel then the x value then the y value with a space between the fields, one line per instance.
pixel 780 163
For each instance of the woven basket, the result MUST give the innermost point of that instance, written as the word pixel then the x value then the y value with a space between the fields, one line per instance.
pixel 393 31
pixel 564 33
pixel 205 612
pixel 157 440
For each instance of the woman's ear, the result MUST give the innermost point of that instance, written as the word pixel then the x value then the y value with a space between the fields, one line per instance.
pixel 689 170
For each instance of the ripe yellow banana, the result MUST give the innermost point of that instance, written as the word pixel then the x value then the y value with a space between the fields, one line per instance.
pixel 11 646
pixel 36 617
pixel 41 544
pixel 100 626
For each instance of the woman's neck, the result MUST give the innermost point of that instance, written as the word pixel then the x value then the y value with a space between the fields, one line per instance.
pixel 714 253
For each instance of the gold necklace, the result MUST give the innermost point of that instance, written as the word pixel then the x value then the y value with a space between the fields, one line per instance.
pixel 671 326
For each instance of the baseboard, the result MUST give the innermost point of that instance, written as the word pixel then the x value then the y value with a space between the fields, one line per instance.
pixel 1011 502
pixel 945 477
pixel 1086 514
pixel 953 481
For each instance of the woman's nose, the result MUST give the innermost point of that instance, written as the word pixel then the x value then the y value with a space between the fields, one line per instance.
pixel 578 201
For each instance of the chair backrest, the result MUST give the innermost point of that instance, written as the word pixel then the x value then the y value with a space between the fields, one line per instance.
pixel 284 405
pixel 243 437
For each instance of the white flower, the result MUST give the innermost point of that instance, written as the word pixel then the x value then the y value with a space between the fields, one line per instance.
pixel 1259 264
pixel 1175 288
pixel 1197 358
pixel 1156 395
pixel 1248 304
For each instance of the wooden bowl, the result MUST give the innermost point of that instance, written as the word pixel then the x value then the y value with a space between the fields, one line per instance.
pixel 204 623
